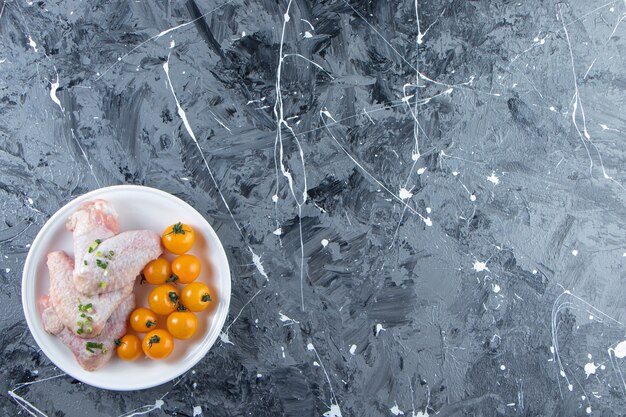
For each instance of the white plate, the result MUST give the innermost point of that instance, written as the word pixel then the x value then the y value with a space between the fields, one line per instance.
pixel 138 208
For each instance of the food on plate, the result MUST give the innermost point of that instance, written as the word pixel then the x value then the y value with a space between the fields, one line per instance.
pixel 115 263
pixel 158 271
pixel 186 268
pixel 91 300
pixel 91 354
pixel 128 347
pixel 182 324
pixel 158 344
pixel 163 299
pixel 85 315
pixel 94 220
pixel 178 238
pixel 195 296
pixel 142 320
pixel 91 293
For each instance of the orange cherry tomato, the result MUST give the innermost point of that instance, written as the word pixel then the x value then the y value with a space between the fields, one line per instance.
pixel 178 238
pixel 128 347
pixel 142 320
pixel 182 324
pixel 163 299
pixel 158 271
pixel 186 268
pixel 158 344
pixel 196 296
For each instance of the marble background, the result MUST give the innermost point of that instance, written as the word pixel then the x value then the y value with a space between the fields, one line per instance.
pixel 435 190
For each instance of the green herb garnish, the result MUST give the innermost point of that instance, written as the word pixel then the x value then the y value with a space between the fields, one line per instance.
pixel 101 264
pixel 85 307
pixel 102 284
pixel 90 346
pixel 85 262
pixel 93 245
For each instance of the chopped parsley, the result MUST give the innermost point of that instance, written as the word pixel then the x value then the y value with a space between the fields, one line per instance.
pixel 90 346
pixel 102 284
pixel 85 307
pixel 101 264
pixel 92 247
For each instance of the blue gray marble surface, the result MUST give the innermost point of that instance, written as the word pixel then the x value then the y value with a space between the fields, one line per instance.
pixel 434 191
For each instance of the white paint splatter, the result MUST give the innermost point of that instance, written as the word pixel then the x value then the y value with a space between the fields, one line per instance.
pixel 395 410
pixel 197 411
pixel 575 252
pixel 420 171
pixel 590 369
pixel 259 375
pixel 334 411
pixel 620 350
pixel 352 349
pixel 256 260
pixel 493 178
pixel 429 210
pixel 32 43
pixel 502 367
pixel 473 197
pixel 455 173
pixel 534 272
pixel 8 270
pixel 278 231
pixel 379 328
pixel 53 93
pixel 480 266
pixel 310 346
pixel 570 387
pixel 307 34
pixel 428 222
pixel 552 109
pixel 315 363
pixel 588 410
pixel 275 198
pixel 172 43
pixel 405 194
pixel 324 242
pixel 285 318
pixel 225 338
pixel 496 288
pixel 282 348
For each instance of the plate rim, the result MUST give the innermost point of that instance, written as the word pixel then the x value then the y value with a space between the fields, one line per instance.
pixel 28 265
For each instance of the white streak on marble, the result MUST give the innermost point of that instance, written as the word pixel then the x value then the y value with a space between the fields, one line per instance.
pixel 256 259
pixel 334 411
pixel 146 408
pixel 224 335
pixel 53 93
pixel 278 232
pixel 352 349
pixel 32 43
pixel 308 23
pixel 395 410
pixel 379 328
pixel 25 404
pixel 324 242
pixel 575 252
pixel 334 404
pixel 421 170
pixel 284 318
